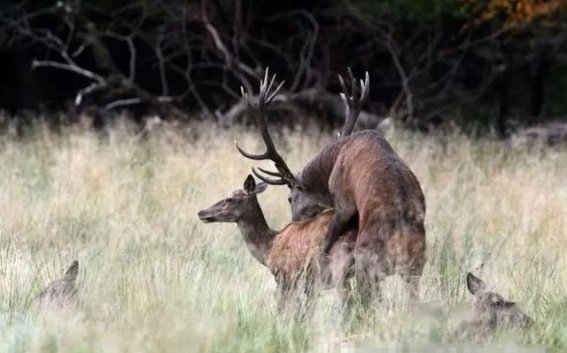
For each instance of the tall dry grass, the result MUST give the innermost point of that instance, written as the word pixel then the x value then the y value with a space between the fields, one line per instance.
pixel 155 279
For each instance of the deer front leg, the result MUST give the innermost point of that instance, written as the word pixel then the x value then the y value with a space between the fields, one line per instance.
pixel 283 292
pixel 288 298
pixel 312 292
pixel 283 301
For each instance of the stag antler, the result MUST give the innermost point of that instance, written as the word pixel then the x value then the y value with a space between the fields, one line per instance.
pixel 267 93
pixel 353 104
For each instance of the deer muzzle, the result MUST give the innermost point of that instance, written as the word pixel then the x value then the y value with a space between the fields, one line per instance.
pixel 206 217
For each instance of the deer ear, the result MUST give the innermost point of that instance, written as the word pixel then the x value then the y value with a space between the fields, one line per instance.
pixel 72 272
pixel 475 284
pixel 249 184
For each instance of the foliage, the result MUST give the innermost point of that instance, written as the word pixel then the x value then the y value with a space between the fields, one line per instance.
pixel 516 12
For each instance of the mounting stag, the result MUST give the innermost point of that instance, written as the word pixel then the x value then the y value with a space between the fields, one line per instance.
pixel 362 178
pixel 292 254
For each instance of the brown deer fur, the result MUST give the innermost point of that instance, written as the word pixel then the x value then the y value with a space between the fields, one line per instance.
pixel 61 292
pixel 361 177
pixel 490 311
pixel 368 180
pixel 292 255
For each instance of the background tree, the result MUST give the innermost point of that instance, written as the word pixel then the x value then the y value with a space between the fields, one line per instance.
pixel 491 63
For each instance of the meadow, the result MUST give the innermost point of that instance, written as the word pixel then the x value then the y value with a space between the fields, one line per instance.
pixel 153 278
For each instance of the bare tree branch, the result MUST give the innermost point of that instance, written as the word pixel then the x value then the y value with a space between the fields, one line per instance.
pixel 69 67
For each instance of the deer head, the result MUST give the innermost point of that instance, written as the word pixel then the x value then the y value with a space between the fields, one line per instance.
pixel 233 208
pixel 60 292
pixel 490 310
pixel 305 202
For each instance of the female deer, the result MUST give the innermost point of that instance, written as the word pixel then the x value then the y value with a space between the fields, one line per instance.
pixel 490 311
pixel 292 254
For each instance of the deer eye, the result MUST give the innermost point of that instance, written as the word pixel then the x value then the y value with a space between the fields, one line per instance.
pixel 289 199
pixel 229 200
pixel 497 302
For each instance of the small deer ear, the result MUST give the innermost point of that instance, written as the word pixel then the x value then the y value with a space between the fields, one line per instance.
pixel 72 272
pixel 249 184
pixel 475 284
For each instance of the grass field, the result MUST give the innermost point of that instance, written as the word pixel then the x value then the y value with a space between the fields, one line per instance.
pixel 155 279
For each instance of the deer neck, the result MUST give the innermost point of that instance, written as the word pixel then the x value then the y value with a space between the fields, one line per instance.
pixel 315 175
pixel 256 232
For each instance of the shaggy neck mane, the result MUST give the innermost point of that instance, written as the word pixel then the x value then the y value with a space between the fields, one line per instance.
pixel 315 175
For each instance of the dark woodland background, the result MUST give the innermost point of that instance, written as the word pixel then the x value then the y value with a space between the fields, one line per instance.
pixel 489 65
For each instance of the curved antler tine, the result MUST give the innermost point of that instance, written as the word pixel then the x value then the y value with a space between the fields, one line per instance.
pixel 353 100
pixel 346 104
pixel 267 93
pixel 343 85
pixel 279 181
pixel 365 87
pixel 350 74
pixel 265 79
pixel 269 88
pixel 269 172
pixel 263 86
pixel 353 85
pixel 275 92
pixel 256 157
pixel 265 96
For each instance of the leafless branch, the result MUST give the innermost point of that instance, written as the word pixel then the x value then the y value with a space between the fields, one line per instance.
pixel 161 67
pixel 68 67
pixel 96 86
pixel 390 45
pixel 122 103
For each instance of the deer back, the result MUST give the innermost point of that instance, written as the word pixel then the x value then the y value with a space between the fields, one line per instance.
pixel 364 168
pixel 298 245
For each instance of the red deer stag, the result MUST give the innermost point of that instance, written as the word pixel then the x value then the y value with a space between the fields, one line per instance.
pixel 363 179
pixel 490 311
pixel 291 254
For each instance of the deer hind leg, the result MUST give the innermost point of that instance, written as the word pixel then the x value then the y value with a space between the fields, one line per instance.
pixel 346 296
pixel 341 271
pixel 413 277
pixel 413 270
pixel 370 271
pixel 412 286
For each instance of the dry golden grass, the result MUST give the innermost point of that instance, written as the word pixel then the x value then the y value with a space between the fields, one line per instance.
pixel 155 279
